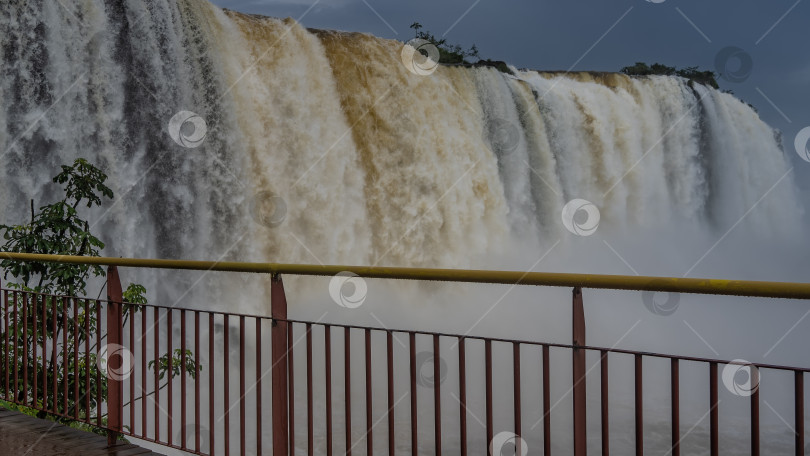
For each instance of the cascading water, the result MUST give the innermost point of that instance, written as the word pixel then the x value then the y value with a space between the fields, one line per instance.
pixel 322 147
pixel 352 143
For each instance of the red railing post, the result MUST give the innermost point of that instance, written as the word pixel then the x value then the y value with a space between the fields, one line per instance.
pixel 580 439
pixel 278 311
pixel 115 390
pixel 754 379
pixel 798 411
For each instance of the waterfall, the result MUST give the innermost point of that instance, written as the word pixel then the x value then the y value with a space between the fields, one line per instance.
pixel 367 162
pixel 237 137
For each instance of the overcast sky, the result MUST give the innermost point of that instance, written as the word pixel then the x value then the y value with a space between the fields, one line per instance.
pixel 773 36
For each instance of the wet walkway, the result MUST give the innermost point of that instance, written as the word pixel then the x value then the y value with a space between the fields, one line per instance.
pixel 23 435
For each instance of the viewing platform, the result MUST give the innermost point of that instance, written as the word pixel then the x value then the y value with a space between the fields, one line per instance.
pixel 25 435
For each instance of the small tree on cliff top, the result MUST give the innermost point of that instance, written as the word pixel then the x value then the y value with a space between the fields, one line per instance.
pixel 448 53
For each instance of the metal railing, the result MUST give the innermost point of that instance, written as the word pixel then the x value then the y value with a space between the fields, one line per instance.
pixel 217 404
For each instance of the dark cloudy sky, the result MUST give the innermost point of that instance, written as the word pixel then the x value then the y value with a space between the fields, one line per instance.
pixel 772 35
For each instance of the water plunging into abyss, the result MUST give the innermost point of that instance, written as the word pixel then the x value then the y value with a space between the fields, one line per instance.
pixel 304 146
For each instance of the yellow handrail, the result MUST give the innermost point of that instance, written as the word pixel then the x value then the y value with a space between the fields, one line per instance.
pixel 788 290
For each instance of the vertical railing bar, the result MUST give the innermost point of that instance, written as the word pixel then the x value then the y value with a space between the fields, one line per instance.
pixel 197 354
pixel 211 396
pixel 546 403
pixel 579 372
pixel 65 371
pixel 144 370
pixel 414 411
pixel 798 411
pixel 98 371
pixel 76 374
pixel 291 388
pixel 34 348
pixel 156 349
pixel 389 345
pixel 259 431
pixel 26 316
pixel 713 420
pixel 169 377
pixel 24 400
pixel 55 357
pixel 328 377
pixel 226 365
pixel 488 383
pixel 16 341
pixel 310 418
pixel 639 407
pixel 15 393
pixel 86 357
pixel 754 381
pixel 45 356
pixel 6 346
pixel 605 399
pixel 25 347
pixel 675 407
pixel 347 387
pixel 437 397
pixel 183 382
pixel 518 424
pixel 131 329
pixel 32 314
pixel 462 394
pixel 369 418
pixel 242 404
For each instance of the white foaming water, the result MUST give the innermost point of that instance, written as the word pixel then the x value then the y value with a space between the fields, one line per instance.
pixel 465 167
